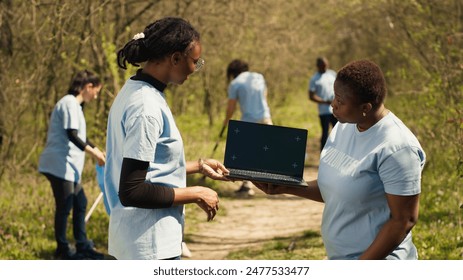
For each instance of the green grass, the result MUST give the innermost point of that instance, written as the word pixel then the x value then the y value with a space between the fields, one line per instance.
pixel 307 245
pixel 26 219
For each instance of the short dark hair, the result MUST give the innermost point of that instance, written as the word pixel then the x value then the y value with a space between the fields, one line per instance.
pixel 161 38
pixel 321 60
pixel 366 80
pixel 235 68
pixel 81 79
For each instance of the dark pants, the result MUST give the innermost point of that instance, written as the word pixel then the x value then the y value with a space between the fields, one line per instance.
pixel 69 195
pixel 325 121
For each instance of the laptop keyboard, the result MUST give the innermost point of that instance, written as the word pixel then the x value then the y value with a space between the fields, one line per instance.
pixel 263 175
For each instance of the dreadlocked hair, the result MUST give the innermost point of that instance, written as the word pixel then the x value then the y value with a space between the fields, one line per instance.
pixel 161 38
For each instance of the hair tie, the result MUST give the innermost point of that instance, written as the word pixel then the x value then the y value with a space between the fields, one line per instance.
pixel 140 35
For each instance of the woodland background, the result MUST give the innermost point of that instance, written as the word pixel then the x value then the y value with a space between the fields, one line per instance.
pixel 417 43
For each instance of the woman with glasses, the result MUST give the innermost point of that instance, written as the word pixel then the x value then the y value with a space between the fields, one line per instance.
pixel 145 173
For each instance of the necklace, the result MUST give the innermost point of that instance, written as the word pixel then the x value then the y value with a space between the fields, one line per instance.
pixel 381 115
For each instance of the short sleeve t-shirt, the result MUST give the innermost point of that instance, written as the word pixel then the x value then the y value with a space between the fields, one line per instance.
pixel 141 127
pixel 323 86
pixel 357 170
pixel 249 89
pixel 62 158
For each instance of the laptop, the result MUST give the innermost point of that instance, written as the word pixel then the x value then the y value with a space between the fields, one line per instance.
pixel 265 153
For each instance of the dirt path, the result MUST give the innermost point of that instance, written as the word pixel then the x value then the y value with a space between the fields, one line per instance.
pixel 251 222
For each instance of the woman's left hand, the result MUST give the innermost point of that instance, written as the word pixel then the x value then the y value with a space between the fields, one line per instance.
pixel 213 169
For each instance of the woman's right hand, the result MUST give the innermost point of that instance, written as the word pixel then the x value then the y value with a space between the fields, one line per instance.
pixel 208 200
pixel 100 156
pixel 270 188
pixel 97 154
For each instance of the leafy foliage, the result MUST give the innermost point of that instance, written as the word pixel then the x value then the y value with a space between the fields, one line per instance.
pixel 418 44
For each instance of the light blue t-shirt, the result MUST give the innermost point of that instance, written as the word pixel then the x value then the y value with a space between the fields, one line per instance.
pixel 141 127
pixel 356 171
pixel 249 89
pixel 62 158
pixel 323 86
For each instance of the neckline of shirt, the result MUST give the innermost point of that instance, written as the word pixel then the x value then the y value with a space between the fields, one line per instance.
pixel 140 76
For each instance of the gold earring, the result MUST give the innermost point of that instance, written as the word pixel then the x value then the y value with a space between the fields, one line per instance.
pixel 364 114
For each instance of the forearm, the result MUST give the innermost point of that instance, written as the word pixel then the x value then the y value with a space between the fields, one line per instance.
pixel 87 146
pixel 97 154
pixel 390 236
pixel 75 139
pixel 403 217
pixel 193 166
pixel 146 195
pixel 228 117
pixel 94 151
pixel 187 195
pixel 135 191
pixel 231 106
pixel 90 143
pixel 311 192
pixel 315 98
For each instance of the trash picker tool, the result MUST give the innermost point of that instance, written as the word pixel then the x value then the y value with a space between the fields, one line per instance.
pixel 95 204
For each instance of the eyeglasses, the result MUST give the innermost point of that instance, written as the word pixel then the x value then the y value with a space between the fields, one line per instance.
pixel 199 64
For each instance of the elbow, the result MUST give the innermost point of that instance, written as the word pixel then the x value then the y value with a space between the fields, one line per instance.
pixel 411 219
pixel 126 199
pixel 406 224
pixel 411 222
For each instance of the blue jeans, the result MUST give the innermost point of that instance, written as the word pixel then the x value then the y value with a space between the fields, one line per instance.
pixel 325 121
pixel 69 195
